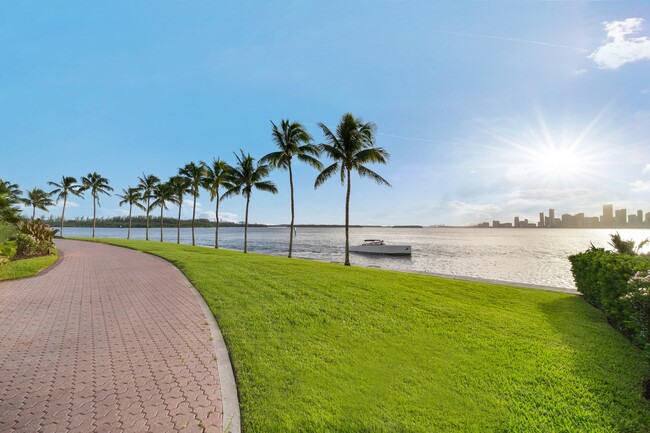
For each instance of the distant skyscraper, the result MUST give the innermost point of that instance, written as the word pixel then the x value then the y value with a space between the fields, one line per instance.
pixel 541 220
pixel 620 217
pixel 516 221
pixel 551 217
pixel 639 217
pixel 608 215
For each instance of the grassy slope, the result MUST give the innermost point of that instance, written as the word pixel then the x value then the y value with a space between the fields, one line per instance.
pixel 27 267
pixel 320 347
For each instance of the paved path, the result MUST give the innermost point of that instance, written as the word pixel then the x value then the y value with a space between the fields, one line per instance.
pixel 109 340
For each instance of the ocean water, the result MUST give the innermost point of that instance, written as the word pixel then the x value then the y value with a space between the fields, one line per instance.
pixel 529 256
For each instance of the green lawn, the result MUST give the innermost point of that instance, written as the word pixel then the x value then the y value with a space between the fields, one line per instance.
pixel 318 347
pixel 27 267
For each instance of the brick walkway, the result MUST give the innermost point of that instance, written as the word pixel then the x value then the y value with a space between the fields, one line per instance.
pixel 109 340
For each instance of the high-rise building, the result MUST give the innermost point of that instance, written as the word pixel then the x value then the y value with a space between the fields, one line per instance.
pixel 608 216
pixel 551 217
pixel 541 220
pixel 516 222
pixel 620 217
pixel 639 217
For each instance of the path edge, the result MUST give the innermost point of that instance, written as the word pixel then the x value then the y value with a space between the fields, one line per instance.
pixel 229 398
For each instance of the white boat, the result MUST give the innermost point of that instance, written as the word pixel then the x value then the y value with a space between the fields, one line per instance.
pixel 378 246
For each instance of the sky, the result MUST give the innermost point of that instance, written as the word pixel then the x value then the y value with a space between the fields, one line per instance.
pixel 489 109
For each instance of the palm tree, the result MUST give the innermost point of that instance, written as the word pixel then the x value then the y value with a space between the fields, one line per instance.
pixel 162 194
pixel 132 196
pixel 9 197
pixel 68 185
pixel 628 247
pixel 38 199
pixel 352 146
pixel 194 173
pixel 97 185
pixel 147 183
pixel 216 175
pixel 293 140
pixel 245 177
pixel 180 186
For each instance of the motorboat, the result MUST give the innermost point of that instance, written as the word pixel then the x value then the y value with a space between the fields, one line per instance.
pixel 378 246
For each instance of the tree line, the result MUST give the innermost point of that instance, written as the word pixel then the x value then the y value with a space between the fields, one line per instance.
pixel 350 147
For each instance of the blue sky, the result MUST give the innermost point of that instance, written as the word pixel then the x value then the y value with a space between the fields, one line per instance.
pixel 489 109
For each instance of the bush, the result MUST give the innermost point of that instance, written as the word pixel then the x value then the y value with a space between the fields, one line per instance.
pixel 34 239
pixel 602 277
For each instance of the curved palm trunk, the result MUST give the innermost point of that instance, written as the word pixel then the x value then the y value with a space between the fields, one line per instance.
pixel 193 216
pixel 65 199
pixel 248 200
pixel 161 223
pixel 34 213
pixel 292 212
pixel 178 235
pixel 128 233
pixel 146 237
pixel 94 213
pixel 347 223
pixel 216 213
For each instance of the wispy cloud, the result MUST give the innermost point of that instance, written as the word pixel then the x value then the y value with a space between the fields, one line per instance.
pixel 524 41
pixel 620 48
pixel 640 185
pixel 473 208
pixel 646 169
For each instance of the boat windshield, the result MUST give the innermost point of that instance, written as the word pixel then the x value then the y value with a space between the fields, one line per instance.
pixel 369 242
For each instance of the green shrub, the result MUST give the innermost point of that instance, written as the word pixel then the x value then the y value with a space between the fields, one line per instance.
pixel 7 231
pixel 35 239
pixel 602 277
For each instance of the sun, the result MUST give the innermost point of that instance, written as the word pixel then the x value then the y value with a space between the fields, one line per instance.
pixel 559 162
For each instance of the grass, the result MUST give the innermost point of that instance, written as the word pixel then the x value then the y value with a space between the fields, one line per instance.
pixel 318 347
pixel 27 267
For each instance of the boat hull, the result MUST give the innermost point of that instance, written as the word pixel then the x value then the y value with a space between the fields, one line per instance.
pixel 393 250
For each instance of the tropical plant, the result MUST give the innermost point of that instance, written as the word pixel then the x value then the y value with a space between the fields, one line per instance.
pixel 179 186
pixel 245 177
pixel 132 197
pixel 194 173
pixel 9 197
pixel 35 238
pixel 66 186
pixel 146 186
pixel 217 175
pixel 96 184
pixel 38 199
pixel 11 189
pixel 626 247
pixel 351 147
pixel 292 139
pixel 162 194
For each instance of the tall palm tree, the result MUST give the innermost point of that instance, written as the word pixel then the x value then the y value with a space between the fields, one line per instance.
pixel 293 140
pixel 351 147
pixel 97 184
pixel 216 175
pixel 132 197
pixel 180 186
pixel 628 247
pixel 245 177
pixel 38 199
pixel 194 173
pixel 162 194
pixel 66 186
pixel 146 185
pixel 12 190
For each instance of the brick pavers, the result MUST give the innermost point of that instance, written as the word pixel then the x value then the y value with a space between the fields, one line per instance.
pixel 109 340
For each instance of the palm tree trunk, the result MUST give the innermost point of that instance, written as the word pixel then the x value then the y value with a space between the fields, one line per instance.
pixel 94 213
pixel 147 222
pixel 248 199
pixel 193 216
pixel 347 223
pixel 178 235
pixel 292 212
pixel 161 221
pixel 128 233
pixel 216 213
pixel 34 213
pixel 65 199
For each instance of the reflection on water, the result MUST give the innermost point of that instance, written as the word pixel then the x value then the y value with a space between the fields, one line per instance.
pixel 532 256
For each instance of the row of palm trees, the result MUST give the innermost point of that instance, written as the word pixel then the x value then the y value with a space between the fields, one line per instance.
pixel 351 146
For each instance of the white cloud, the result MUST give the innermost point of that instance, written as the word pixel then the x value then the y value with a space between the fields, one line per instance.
pixel 223 216
pixel 473 208
pixel 640 185
pixel 548 194
pixel 69 204
pixel 620 48
pixel 646 169
pixel 645 91
pixel 580 71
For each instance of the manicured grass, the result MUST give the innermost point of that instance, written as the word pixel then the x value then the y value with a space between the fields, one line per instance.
pixel 27 267
pixel 318 347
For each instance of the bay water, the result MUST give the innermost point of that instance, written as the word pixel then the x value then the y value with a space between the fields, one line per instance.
pixel 525 256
